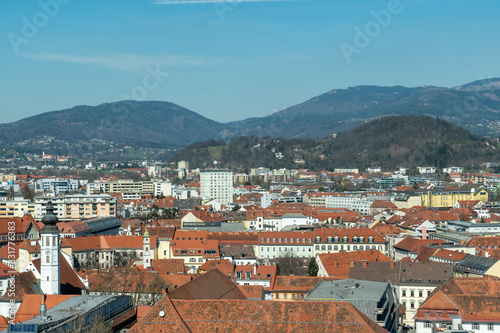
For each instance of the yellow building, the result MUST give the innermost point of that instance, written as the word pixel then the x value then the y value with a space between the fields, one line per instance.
pixel 16 208
pixel 447 198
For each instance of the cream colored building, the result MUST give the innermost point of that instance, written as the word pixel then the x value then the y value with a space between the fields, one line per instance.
pixel 16 208
pixel 78 207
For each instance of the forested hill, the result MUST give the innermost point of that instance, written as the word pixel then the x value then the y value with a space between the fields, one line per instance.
pixel 387 142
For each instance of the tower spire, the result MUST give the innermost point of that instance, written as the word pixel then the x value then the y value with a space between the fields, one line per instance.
pixel 49 245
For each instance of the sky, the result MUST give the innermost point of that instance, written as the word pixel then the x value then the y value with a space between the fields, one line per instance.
pixel 234 60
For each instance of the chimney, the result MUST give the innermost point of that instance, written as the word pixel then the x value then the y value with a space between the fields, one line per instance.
pixel 336 264
pixel 352 263
pixel 424 232
pixel 43 308
pixel 255 269
pixel 364 264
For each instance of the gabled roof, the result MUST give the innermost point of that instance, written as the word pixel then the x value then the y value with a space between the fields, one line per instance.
pixel 383 204
pixel 211 285
pixel 254 316
pixel 476 299
pixel 169 266
pixel 339 264
pixel 25 284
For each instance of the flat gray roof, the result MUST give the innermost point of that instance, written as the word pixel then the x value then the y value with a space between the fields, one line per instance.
pixel 350 289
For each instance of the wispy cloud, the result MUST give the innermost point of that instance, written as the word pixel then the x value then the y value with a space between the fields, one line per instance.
pixel 120 62
pixel 177 2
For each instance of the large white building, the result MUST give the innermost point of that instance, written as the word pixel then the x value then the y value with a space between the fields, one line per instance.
pixel 217 185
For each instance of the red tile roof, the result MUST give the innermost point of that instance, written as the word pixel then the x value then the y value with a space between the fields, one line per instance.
pixel 339 264
pixel 211 285
pixel 254 316
pixel 474 299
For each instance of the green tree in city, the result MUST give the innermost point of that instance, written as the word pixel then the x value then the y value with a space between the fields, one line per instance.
pixel 312 268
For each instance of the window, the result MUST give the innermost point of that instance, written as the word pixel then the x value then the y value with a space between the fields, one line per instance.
pixel 475 326
pixel 277 296
pixel 403 292
pixel 427 324
pixel 427 314
pixel 192 259
pixel 420 293
pixel 285 296
pixel 412 305
pixel 439 314
pixel 490 327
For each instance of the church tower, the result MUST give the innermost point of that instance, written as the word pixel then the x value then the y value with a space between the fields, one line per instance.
pixel 146 247
pixel 49 246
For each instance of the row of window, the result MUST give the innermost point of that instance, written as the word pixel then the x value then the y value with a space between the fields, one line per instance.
pixel 280 240
pixel 412 293
pixel 348 247
pixel 475 326
pixel 285 249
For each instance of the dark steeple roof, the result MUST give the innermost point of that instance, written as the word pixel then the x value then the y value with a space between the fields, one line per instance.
pixel 49 220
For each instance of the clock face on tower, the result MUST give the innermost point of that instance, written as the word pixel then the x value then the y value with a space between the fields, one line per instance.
pixel 47 252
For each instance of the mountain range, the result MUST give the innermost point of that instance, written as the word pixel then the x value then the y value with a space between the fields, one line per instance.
pixel 474 106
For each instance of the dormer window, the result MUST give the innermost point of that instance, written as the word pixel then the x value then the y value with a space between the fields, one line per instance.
pixel 329 239
pixel 318 239
pixel 345 239
pixel 370 239
pixel 336 239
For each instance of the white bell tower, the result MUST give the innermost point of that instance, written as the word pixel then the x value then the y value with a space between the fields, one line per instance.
pixel 146 249
pixel 49 261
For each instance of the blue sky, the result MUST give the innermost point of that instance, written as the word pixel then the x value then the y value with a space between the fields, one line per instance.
pixel 231 61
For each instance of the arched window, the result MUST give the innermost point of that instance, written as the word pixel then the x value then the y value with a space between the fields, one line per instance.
pixel 329 247
pixel 47 259
pixel 335 248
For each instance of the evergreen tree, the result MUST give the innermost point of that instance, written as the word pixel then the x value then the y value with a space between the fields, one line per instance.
pixel 312 269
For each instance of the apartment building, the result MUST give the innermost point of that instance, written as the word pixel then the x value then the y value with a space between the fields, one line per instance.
pixel 217 185
pixel 78 206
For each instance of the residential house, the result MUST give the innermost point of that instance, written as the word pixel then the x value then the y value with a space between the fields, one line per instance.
pixel 472 304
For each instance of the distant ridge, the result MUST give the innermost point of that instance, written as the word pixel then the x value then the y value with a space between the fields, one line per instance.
pixel 387 142
pixel 474 106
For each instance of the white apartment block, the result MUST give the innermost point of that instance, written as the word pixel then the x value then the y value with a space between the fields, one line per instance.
pixel 217 185
pixel 162 188
pixel 56 186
